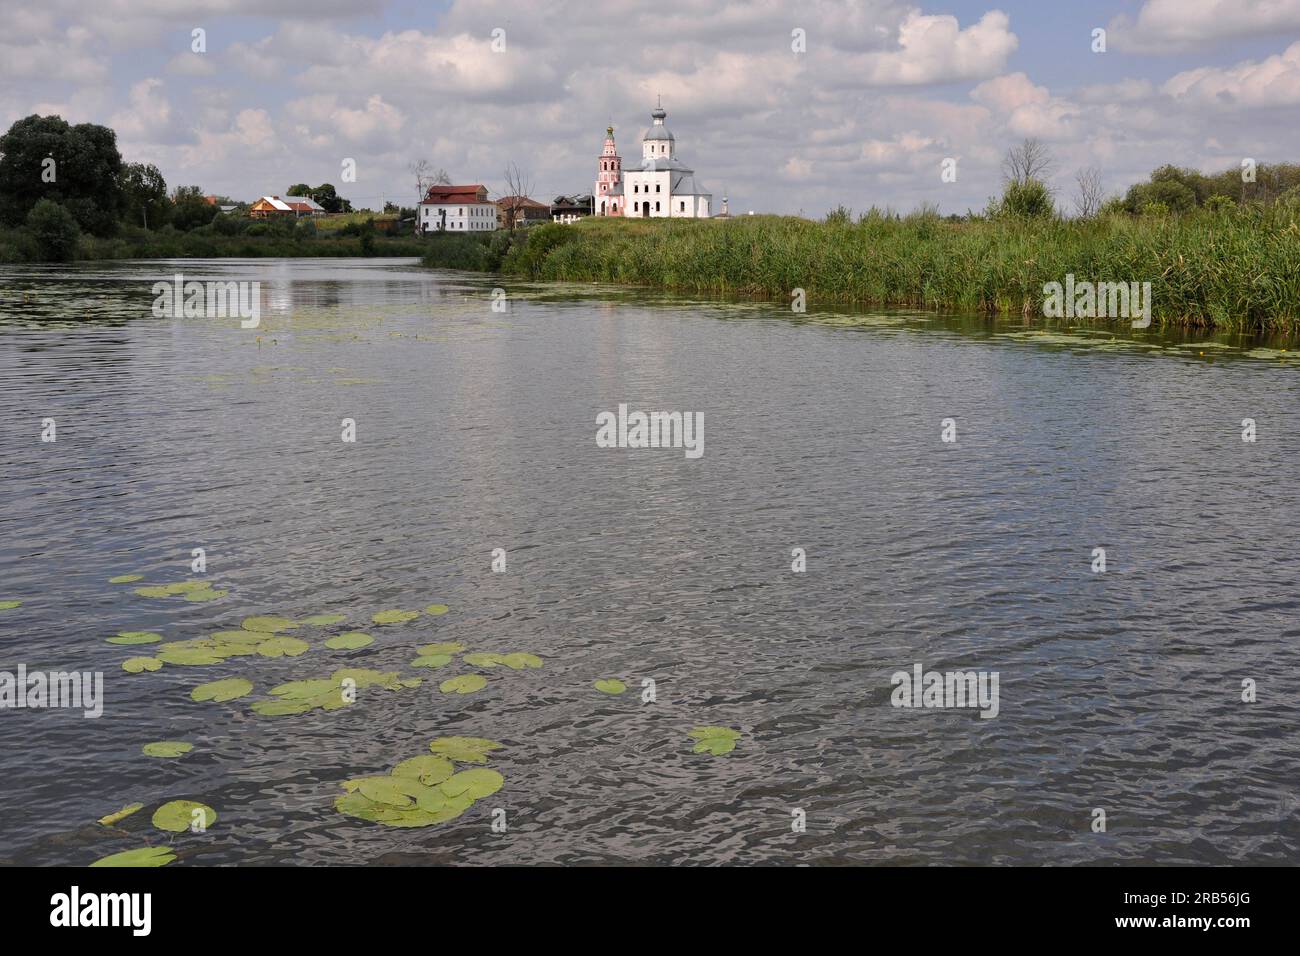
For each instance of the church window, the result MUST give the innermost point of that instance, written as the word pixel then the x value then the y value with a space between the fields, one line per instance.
pixel 656 207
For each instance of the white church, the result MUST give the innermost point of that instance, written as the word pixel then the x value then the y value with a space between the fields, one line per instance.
pixel 662 186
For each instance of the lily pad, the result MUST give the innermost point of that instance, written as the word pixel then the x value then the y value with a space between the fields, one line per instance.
pixel 120 815
pixel 166 748
pixel 442 807
pixel 394 617
pixel 519 661
pixel 187 587
pixel 324 620
pixel 135 637
pixel 221 691
pixel 349 641
pixel 10 605
pixel 176 816
pixel 206 594
pixel 134 665
pixel 283 647
pixel 463 684
pixel 268 623
pixel 482 660
pixel 715 740
pixel 436 609
pixel 282 708
pixel 432 660
pixel 183 653
pixel 153 591
pixel 610 685
pixel 126 579
pixel 394 791
pixel 476 783
pixel 464 749
pixel 429 769
pixel 447 647
pixel 144 856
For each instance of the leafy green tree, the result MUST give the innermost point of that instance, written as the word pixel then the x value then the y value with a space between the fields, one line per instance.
pixel 55 230
pixel 190 209
pixel 1026 199
pixel 299 189
pixel 144 196
pixel 77 167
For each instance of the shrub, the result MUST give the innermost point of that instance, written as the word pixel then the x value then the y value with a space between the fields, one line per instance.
pixel 1027 199
pixel 54 230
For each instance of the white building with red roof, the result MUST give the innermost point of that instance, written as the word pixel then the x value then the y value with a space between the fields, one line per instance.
pixel 457 209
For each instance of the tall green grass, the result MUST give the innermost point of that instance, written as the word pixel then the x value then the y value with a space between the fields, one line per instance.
pixel 1232 269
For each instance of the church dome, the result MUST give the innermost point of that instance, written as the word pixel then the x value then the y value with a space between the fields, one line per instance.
pixel 658 130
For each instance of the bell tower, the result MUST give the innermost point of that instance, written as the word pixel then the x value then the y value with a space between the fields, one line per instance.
pixel 607 198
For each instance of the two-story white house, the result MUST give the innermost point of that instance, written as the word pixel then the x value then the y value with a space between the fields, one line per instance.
pixel 457 209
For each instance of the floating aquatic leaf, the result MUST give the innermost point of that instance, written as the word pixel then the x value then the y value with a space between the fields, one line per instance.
pixel 431 660
pixel 220 691
pixel 9 605
pixel 482 660
pixel 268 623
pixel 167 748
pixel 349 641
pixel 447 647
pixel 440 807
pixel 395 791
pixel 464 684
pixel 464 749
pixel 134 665
pixel 144 856
pixel 429 769
pixel 324 620
pixel 153 591
pixel 304 689
pixel 436 609
pixel 187 587
pixel 610 685
pixel 282 708
pixel 476 783
pixel 188 655
pixel 178 815
pixel 715 740
pixel 135 637
pixel 519 661
pixel 126 579
pixel 205 595
pixel 120 815
pixel 394 617
pixel 283 647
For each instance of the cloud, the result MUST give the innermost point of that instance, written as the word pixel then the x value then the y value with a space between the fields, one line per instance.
pixel 934 49
pixel 1175 26
pixel 1274 82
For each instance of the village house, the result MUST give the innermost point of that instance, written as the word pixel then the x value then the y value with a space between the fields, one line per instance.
pixel 521 210
pixel 570 208
pixel 662 186
pixel 273 206
pixel 457 209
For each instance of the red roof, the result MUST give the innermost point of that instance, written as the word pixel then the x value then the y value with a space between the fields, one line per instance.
pixel 456 194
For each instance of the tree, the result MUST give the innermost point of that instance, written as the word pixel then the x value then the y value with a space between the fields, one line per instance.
pixel 77 167
pixel 425 176
pixel 1030 199
pixel 1030 160
pixel 54 229
pixel 144 195
pixel 329 200
pixel 1089 195
pixel 190 209
pixel 518 186
pixel 299 189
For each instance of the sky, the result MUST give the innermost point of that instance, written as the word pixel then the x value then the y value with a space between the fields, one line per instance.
pixel 866 113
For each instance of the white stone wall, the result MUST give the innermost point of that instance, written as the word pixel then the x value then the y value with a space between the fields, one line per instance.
pixel 472 217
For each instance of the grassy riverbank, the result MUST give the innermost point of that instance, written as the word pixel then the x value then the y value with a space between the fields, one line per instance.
pixel 1230 269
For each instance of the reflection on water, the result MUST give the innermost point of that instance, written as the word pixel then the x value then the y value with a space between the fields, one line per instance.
pixel 475 431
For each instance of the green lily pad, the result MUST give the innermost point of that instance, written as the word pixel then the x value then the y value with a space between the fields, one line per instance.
pixel 324 620
pixel 519 661
pixel 134 665
pixel 167 748
pixel 432 660
pixel 304 689
pixel 429 769
pixel 349 641
pixel 10 605
pixel 464 749
pixel 135 637
pixel 126 579
pixel 176 816
pixel 442 807
pixel 463 684
pixel 703 733
pixel 480 659
pixel 205 595
pixel 715 740
pixel 394 791
pixel 187 587
pixel 283 647
pixel 186 654
pixel 476 783
pixel 153 591
pixel 282 708
pixel 610 685
pixel 268 623
pixel 120 815
pixel 221 691
pixel 144 856
pixel 436 609
pixel 447 647
pixel 394 617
